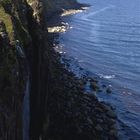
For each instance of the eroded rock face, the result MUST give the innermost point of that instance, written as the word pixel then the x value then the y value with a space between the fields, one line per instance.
pixel 37 7
pixel 11 89
pixel 13 67
pixel 27 21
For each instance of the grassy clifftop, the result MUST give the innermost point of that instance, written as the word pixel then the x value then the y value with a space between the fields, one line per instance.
pixel 7 20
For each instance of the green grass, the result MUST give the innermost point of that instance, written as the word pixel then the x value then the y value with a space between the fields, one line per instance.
pixel 7 20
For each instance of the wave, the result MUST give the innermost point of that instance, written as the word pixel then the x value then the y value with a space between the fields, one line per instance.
pixel 107 76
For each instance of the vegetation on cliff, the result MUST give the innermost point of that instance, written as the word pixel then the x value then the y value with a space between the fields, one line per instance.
pixel 11 86
pixel 6 19
pixel 13 70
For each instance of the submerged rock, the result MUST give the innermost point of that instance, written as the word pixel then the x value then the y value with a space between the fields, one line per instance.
pixel 94 86
pixel 108 90
pixel 111 114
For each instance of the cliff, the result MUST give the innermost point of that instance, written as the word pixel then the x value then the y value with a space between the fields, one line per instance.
pixel 12 80
pixel 20 38
pixel 23 44
pixel 58 108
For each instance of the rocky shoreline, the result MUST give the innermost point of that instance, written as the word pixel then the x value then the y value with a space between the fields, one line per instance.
pixel 73 113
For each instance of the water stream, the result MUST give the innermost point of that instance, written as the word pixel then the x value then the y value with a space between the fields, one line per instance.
pixel 26 111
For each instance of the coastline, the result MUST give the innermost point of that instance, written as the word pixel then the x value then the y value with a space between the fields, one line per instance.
pixel 64 6
pixel 73 113
pixel 42 99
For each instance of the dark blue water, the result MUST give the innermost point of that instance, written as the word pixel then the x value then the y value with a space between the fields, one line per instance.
pixel 106 41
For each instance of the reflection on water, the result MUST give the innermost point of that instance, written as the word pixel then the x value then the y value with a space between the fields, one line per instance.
pixel 105 40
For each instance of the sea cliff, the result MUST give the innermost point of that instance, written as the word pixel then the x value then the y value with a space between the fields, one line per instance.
pixel 21 28
pixel 59 107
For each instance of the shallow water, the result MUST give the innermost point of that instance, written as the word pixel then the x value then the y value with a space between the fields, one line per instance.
pixel 105 40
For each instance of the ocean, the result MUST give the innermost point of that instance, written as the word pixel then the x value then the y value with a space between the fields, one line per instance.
pixel 105 41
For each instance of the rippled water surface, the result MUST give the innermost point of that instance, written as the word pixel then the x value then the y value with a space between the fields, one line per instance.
pixel 106 41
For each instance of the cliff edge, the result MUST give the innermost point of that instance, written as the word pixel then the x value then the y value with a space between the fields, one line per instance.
pixel 20 24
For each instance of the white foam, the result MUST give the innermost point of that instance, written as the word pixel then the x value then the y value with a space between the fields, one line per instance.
pixel 107 76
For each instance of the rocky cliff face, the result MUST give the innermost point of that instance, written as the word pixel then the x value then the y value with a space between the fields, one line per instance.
pixel 13 73
pixel 20 38
pixel 12 81
pixel 23 54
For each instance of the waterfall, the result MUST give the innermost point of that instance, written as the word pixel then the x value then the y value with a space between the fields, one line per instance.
pixel 26 111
